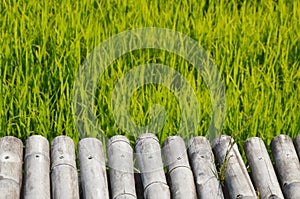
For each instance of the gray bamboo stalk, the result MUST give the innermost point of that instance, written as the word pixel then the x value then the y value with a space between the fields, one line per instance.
pixel 64 176
pixel 287 166
pixel 92 169
pixel 263 174
pixel 204 168
pixel 237 179
pixel 11 158
pixel 297 145
pixel 179 171
pixel 120 161
pixel 151 166
pixel 37 168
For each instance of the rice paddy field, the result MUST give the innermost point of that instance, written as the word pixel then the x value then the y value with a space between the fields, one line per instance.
pixel 254 44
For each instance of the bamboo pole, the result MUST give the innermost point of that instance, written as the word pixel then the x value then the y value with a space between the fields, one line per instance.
pixel 64 177
pixel 287 166
pixel 237 179
pixel 150 162
pixel 37 168
pixel 92 169
pixel 120 161
pixel 179 171
pixel 263 174
pixel 204 168
pixel 297 145
pixel 11 158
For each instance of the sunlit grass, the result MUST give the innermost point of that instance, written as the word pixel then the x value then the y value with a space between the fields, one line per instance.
pixel 255 45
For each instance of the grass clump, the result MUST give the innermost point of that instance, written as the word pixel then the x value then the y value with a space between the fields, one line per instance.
pixel 255 46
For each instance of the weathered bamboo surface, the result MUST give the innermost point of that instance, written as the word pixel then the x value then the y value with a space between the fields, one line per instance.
pixel 37 168
pixel 263 174
pixel 151 166
pixel 120 162
pixel 11 156
pixel 287 166
pixel 64 177
pixel 204 168
pixel 179 171
pixel 92 169
pixel 187 172
pixel 297 145
pixel 236 177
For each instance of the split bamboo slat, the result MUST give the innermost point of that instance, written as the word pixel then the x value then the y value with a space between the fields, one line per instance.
pixel 287 166
pixel 179 171
pixel 152 169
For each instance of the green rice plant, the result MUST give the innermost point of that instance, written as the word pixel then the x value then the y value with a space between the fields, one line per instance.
pixel 220 175
pixel 254 44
